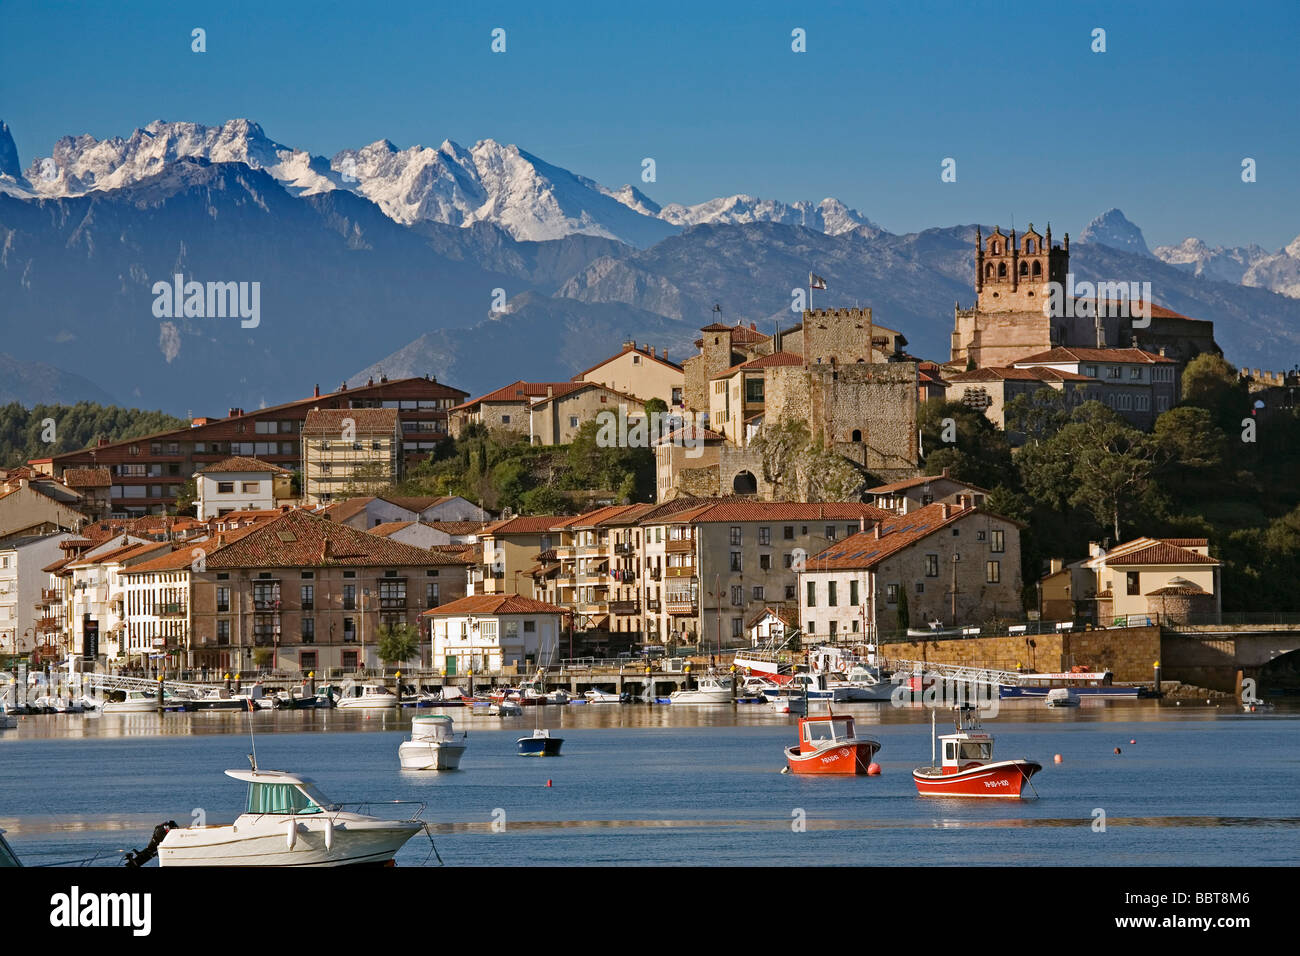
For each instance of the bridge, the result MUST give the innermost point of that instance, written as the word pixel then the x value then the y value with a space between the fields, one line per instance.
pixel 1220 656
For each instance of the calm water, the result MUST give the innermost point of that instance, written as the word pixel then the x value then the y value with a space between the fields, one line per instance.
pixel 687 785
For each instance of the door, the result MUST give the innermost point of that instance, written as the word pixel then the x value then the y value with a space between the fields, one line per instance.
pixel 451 665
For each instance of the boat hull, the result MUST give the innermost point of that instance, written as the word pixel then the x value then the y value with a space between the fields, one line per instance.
pixel 423 755
pixel 1005 779
pixel 843 758
pixel 1007 692
pixel 264 843
pixel 700 697
pixel 540 746
pixel 365 703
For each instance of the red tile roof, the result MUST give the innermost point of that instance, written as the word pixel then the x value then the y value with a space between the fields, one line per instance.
pixel 643 351
pixel 299 539
pixel 1061 354
pixel 922 480
pixel 763 361
pixel 241 463
pixel 1160 553
pixel 388 527
pixel 493 604
pixel 343 510
pixel 524 524
pixel 582 386
pixel 746 510
pixel 1035 373
pixel 459 527
pixel 865 550
pixel 520 392
pixel 330 422
pixel 87 477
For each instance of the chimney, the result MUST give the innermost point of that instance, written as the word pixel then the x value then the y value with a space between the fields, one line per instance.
pixel 753 327
pixel 663 353
pixel 944 510
pixel 877 530
pixel 550 391
pixel 944 474
pixel 652 351
pixel 1058 564
pixel 862 522
pixel 315 393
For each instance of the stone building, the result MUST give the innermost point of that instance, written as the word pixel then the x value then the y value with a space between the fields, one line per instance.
pixel 1009 320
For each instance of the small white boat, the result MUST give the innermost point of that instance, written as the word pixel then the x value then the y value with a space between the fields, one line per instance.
pixel 1062 697
pixel 367 697
pixel 709 690
pixel 597 696
pixel 506 708
pixel 434 744
pixel 784 703
pixel 136 702
pixel 862 682
pixel 559 697
pixel 287 822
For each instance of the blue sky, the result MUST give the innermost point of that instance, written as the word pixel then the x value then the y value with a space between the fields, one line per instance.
pixel 1041 127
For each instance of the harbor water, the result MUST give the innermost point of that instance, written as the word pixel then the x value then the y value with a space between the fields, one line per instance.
pixel 677 785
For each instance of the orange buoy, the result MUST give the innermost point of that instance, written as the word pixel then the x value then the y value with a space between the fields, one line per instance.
pixel 1057 759
pixel 1132 741
pixel 1116 750
pixel 548 783
pixel 873 770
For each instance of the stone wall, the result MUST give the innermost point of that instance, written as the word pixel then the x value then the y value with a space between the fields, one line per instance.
pixel 872 403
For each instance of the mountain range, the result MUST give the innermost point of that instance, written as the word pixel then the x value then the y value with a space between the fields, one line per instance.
pixel 479 266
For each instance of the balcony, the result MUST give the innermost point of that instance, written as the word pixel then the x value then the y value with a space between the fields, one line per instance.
pixel 171 610
pixel 622 547
pixel 266 604
pixel 589 550
pixel 624 607
pixel 654 574
pixel 47 624
pixel 392 604
pixel 50 596
pixel 691 608
pixel 652 605
pixel 686 571
pixel 680 546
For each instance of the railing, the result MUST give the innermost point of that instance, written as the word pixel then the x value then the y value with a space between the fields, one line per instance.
pixel 1235 619
pixel 681 572
pixel 266 604
pixel 171 610
pixel 654 574
pixel 679 546
pixel 624 607
pixel 652 604
pixel 682 607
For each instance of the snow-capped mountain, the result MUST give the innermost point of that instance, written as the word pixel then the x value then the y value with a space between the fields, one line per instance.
pixel 1112 229
pixel 9 165
pixel 491 182
pixel 1244 265
pixel 829 216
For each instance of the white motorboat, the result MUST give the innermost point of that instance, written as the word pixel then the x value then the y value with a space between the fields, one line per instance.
pixel 788 703
pixel 1062 697
pixel 434 744
pixel 367 697
pixel 815 686
pixel 506 708
pixel 861 683
pixel 141 702
pixel 709 690
pixel 597 696
pixel 288 822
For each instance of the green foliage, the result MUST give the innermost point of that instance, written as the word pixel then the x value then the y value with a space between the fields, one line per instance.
pixel 397 643
pixel 656 405
pixel 23 431
pixel 965 442
pixel 1037 416
pixel 187 499
pixel 1209 382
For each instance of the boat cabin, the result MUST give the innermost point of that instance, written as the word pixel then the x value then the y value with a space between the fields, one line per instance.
pixel 818 733
pixel 276 792
pixel 432 727
pixel 370 690
pixel 1071 679
pixel 969 746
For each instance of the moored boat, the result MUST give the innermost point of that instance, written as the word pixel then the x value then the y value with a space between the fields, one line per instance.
pixel 288 822
pixel 1062 697
pixel 785 703
pixel 367 697
pixel 967 767
pixel 540 744
pixel 1089 684
pixel 829 744
pixel 598 696
pixel 434 744
pixel 709 690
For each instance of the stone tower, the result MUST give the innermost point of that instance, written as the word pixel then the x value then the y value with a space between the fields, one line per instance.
pixel 1010 271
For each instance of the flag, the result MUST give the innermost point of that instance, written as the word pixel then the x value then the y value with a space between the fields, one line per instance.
pixel 816 281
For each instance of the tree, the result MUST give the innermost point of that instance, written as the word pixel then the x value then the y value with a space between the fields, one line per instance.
pixel 965 442
pixel 187 499
pixel 1111 462
pixel 1209 382
pixel 904 613
pixel 262 657
pixel 398 643
pixel 1038 415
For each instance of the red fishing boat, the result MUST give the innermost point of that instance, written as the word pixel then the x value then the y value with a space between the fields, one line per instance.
pixel 829 744
pixel 968 768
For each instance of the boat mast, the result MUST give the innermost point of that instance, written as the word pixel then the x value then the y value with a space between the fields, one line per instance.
pixel 934 741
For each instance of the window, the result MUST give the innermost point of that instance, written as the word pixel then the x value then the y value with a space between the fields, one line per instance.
pixel 931 565
pixel 737 626
pixel 505 419
pixel 998 544
pixel 735 561
pixel 753 391
pixel 431 596
pixel 993 572
pixel 853 592
pixel 832 598
pixel 350 629
pixel 810 627
pixel 812 594
pixel 757 592
pixel 1135 373
pixel 1131 579
pixel 891 593
pixel 735 536
pixel 1113 371
pixel 308 593
pixel 307 660
pixel 830 532
pixel 764 536
pixel 737 596
pixel 225 487
pixel 788 532
pixel 308 630
pixel 349 597
pixel 573 421
pixel 765 562
pixel 789 559
pixel 789 592
pixel 223 601
pixel 530 627
pixel 223 631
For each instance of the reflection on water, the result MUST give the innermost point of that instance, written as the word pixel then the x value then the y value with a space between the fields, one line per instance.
pixel 641 784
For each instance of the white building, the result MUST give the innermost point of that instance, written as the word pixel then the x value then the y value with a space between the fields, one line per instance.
pixel 22 584
pixel 240 484
pixel 483 632
pixel 97 598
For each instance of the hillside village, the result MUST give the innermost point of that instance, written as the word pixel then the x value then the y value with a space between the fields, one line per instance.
pixel 817 481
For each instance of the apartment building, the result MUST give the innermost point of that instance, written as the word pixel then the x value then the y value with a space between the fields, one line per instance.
pixel 1154 578
pixel 511 550
pixel 346 452
pixel 24 592
pixel 943 563
pixel 94 602
pixel 149 472
pixel 32 506
pixel 724 560
pixel 308 594
pixel 363 512
pixel 557 419
pixel 913 493
pixel 1139 385
pixel 493 632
